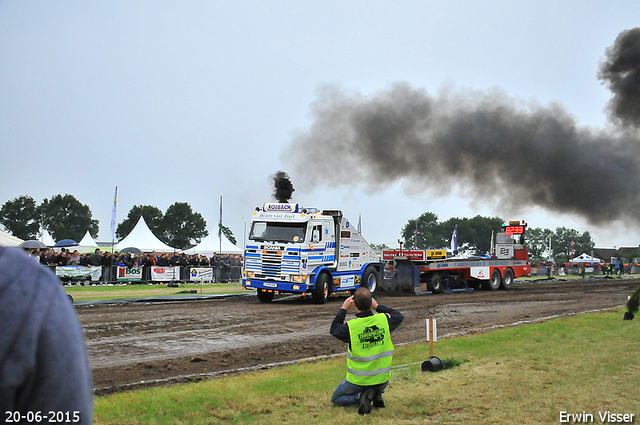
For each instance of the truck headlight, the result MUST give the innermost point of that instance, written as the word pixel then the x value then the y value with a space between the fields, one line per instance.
pixel 250 275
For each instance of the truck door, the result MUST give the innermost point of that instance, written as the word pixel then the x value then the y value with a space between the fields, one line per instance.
pixel 317 252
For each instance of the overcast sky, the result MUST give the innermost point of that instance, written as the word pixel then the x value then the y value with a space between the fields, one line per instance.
pixel 189 101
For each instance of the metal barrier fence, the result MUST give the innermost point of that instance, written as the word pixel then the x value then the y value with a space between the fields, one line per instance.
pixel 146 274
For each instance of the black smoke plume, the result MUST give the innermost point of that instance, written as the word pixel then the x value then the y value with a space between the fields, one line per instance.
pixel 493 147
pixel 283 187
pixel 620 72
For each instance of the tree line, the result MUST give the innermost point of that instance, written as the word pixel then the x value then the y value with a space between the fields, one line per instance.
pixel 65 217
pixel 474 236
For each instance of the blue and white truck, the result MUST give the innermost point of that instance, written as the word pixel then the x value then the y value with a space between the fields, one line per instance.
pixel 306 251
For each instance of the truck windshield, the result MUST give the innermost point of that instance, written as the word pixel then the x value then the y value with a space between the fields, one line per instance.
pixel 262 231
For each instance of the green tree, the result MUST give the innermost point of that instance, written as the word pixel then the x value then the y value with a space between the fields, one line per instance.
pixel 228 233
pixel 182 226
pixel 423 232
pixel 152 215
pixel 67 218
pixel 473 234
pixel 20 217
pixel 537 241
pixel 563 240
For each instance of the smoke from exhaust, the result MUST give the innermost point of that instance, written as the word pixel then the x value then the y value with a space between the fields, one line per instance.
pixel 283 187
pixel 495 147
pixel 620 72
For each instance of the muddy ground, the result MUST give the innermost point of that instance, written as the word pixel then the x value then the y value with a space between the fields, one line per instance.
pixel 148 344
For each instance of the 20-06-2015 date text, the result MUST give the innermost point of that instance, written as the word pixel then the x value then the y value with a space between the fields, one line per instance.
pixel 37 417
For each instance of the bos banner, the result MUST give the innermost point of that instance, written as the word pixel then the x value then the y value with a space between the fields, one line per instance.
pixel 165 273
pixel 89 272
pixel 129 274
pixel 201 273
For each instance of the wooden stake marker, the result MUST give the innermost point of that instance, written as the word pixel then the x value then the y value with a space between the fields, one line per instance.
pixel 432 364
pixel 432 334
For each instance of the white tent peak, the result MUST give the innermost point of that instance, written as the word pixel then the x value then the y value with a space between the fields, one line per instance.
pixel 46 238
pixel 142 237
pixel 86 243
pixel 87 240
pixel 212 244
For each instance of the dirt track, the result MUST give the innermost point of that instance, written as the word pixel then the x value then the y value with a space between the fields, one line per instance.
pixel 138 345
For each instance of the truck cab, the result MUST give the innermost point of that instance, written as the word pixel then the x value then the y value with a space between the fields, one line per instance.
pixel 302 250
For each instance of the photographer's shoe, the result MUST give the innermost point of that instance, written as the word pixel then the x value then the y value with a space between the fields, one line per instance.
pixel 365 401
pixel 377 400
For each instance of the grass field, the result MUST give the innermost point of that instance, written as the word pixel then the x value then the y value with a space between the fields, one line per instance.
pixel 106 292
pixel 528 374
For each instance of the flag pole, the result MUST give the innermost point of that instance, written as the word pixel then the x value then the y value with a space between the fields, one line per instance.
pixel 113 229
pixel 220 227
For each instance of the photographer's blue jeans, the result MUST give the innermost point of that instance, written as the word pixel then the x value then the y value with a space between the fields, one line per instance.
pixel 347 393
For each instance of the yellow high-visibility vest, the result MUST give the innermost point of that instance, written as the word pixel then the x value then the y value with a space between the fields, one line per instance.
pixel 371 351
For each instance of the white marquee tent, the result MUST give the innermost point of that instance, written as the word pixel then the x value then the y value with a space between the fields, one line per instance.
pixel 211 244
pixel 87 240
pixel 46 238
pixel 142 238
pixel 86 243
pixel 7 239
pixel 585 258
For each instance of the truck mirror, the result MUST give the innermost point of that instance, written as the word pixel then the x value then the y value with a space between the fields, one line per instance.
pixel 316 236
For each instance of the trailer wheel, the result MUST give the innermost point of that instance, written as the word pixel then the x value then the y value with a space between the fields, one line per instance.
pixel 265 296
pixel 507 279
pixel 370 279
pixel 435 284
pixel 320 293
pixel 493 283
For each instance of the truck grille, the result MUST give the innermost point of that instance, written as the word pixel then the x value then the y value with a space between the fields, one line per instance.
pixel 271 264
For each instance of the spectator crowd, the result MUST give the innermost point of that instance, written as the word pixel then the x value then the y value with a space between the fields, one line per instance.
pixel 227 268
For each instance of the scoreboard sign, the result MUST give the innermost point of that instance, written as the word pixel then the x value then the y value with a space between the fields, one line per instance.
pixel 514 230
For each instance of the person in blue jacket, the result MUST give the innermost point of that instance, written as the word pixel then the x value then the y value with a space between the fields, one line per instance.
pixel 44 366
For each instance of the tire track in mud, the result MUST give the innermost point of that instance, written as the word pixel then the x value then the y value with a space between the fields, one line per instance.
pixel 138 345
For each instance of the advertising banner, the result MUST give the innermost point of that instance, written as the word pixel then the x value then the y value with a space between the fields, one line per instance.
pixel 204 273
pixel 129 274
pixel 89 272
pixel 409 254
pixel 165 273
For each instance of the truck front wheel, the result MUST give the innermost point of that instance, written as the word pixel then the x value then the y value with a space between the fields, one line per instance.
pixel 370 279
pixel 265 296
pixel 320 293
